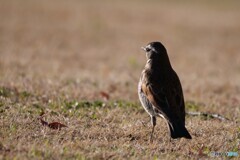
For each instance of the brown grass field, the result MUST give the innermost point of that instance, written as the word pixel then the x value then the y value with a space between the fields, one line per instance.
pixel 78 63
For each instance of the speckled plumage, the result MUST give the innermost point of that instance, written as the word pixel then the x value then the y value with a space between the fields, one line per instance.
pixel 160 91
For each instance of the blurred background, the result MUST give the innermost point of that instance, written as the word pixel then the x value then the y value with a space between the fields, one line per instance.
pixel 75 48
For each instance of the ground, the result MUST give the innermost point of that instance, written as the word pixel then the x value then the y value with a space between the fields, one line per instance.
pixel 78 63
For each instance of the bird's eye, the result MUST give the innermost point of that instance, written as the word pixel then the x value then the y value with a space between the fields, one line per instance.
pixel 148 49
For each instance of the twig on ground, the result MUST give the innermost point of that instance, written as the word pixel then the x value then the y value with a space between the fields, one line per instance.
pixel 217 116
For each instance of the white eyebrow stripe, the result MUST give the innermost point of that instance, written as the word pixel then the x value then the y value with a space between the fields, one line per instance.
pixel 153 49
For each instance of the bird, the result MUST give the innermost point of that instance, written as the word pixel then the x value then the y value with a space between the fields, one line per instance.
pixel 160 91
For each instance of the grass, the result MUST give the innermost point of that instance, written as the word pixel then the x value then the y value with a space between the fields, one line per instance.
pixel 102 129
pixel 78 63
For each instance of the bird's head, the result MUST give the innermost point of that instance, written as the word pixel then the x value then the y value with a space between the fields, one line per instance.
pixel 154 49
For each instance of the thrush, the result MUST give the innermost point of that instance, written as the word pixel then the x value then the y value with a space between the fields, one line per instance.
pixel 160 91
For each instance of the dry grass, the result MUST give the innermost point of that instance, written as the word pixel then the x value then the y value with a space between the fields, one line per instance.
pixel 57 56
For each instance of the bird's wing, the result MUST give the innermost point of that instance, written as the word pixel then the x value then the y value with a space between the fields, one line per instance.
pixel 157 99
pixel 168 100
pixel 177 97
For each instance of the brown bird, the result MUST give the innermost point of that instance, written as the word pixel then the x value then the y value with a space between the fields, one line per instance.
pixel 160 91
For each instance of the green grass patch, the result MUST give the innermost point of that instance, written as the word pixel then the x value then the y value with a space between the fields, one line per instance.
pixel 5 92
pixel 192 106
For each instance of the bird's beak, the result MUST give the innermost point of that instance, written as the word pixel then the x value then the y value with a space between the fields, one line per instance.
pixel 143 48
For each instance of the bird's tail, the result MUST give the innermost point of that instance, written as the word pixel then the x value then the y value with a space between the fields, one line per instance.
pixel 178 130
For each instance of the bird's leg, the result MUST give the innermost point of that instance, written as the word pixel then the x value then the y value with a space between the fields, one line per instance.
pixel 153 120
